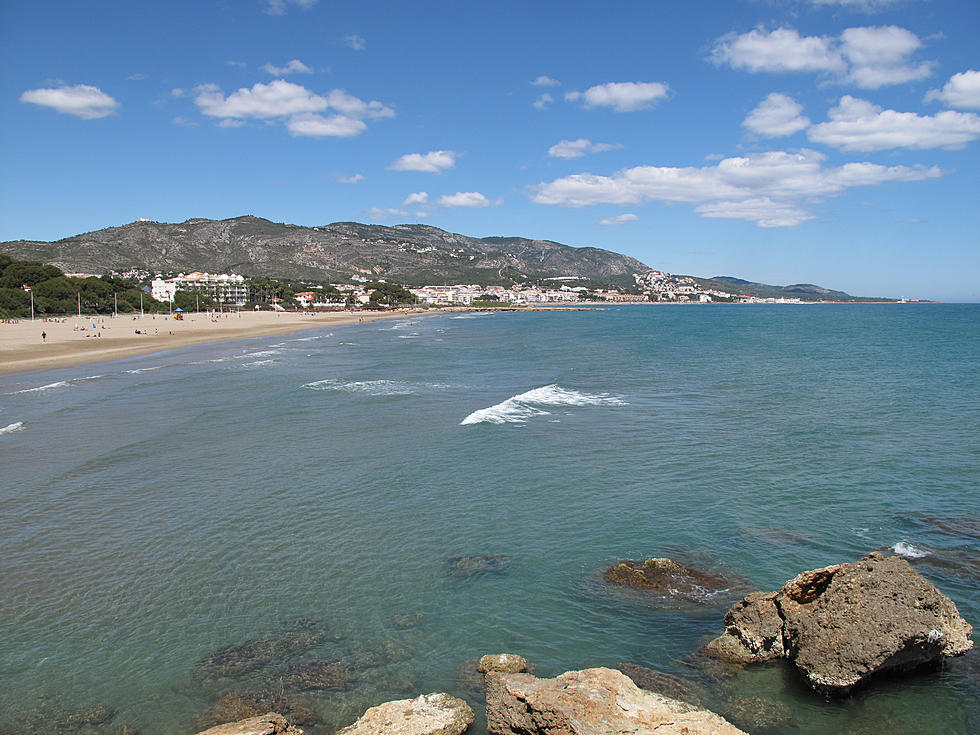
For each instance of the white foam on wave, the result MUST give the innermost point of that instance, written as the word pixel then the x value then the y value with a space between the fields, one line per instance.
pixel 261 353
pixel 11 428
pixel 143 370
pixel 369 387
pixel 904 548
pixel 258 363
pixel 51 386
pixel 518 409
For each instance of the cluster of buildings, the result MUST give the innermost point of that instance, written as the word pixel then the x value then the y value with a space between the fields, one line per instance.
pixel 225 288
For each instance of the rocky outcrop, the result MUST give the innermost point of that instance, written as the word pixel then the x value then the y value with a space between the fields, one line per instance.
pixel 269 724
pixel 507 663
pixel 589 702
pixel 666 577
pixel 844 623
pixel 430 714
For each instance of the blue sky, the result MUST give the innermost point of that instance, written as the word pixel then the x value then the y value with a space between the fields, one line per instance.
pixel 827 141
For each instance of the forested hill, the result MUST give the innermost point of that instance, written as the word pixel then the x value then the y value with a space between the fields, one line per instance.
pixel 252 246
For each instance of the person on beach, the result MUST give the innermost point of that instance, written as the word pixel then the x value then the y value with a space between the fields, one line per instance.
pixel 44 337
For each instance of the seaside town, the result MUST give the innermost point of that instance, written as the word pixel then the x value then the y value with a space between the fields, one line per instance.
pixel 651 286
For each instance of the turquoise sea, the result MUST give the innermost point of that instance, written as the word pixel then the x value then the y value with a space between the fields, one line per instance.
pixel 306 494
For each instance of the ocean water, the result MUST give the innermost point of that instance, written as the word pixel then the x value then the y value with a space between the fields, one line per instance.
pixel 156 510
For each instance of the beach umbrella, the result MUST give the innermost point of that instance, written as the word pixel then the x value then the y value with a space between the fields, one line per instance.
pixel 178 309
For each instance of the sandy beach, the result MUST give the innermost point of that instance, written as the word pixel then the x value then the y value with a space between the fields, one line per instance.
pixel 86 339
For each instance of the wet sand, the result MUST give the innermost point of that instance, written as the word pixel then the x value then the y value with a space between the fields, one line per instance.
pixel 81 340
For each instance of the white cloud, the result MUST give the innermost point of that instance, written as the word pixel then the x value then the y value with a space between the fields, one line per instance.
pixel 769 186
pixel 297 106
pixel 464 199
pixel 544 81
pixel 962 90
pixel 419 197
pixel 311 125
pixel 376 213
pixel 879 56
pixel 543 101
pixel 355 179
pixel 279 7
pixel 622 96
pixel 82 100
pixel 229 122
pixel 858 125
pixel 185 122
pixel 578 148
pixel 777 115
pixel 619 219
pixel 867 6
pixel 434 162
pixel 355 41
pixel 177 93
pixel 763 211
pixel 781 50
pixel 293 67
pixel 275 99
pixel 870 57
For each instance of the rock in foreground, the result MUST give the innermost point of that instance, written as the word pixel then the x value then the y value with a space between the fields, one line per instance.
pixel 270 724
pixel 589 702
pixel 430 714
pixel 844 623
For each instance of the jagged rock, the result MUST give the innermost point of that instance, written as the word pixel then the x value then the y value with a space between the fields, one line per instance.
pixel 590 702
pixel 267 724
pixel 467 566
pixel 667 577
pixel 237 661
pixel 430 714
pixel 508 663
pixel 758 713
pixel 307 675
pixel 670 686
pixel 846 622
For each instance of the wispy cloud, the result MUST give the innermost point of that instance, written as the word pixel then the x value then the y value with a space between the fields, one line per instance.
pixel 355 41
pixel 465 199
pixel 619 219
pixel 293 67
pixel 543 102
pixel 621 96
pixel 81 100
pixel 545 81
pixel 279 7
pixel 580 147
pixel 434 162
pixel 355 179
pixel 384 215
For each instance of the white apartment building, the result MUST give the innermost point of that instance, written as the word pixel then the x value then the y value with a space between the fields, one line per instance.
pixel 225 288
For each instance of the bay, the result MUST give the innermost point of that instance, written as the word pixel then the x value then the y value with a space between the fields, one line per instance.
pixel 159 509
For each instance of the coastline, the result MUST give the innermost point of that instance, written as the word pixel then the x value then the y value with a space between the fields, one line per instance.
pixel 71 341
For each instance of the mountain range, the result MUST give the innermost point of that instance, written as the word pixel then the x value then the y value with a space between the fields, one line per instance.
pixel 413 255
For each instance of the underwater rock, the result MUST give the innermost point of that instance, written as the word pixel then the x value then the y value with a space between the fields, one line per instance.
pixel 430 714
pixel 236 661
pixel 666 684
pixel 758 714
pixel 469 676
pixel 666 577
pixel 407 620
pixel 963 526
pixel 307 675
pixel 267 724
pixel 75 719
pixel 245 703
pixel 844 623
pixel 588 702
pixel 508 663
pixel 467 566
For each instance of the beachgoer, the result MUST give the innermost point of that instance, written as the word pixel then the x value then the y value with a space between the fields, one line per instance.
pixel 44 337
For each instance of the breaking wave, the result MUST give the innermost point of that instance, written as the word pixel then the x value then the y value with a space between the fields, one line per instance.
pixel 369 387
pixel 904 548
pixel 51 386
pixel 518 409
pixel 11 428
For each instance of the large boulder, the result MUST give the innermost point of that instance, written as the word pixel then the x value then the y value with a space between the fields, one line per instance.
pixel 268 724
pixel 590 702
pixel 846 622
pixel 430 714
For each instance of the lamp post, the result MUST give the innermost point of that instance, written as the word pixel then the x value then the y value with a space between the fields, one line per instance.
pixel 31 292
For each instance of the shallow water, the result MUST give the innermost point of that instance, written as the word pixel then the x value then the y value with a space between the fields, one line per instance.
pixel 158 509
